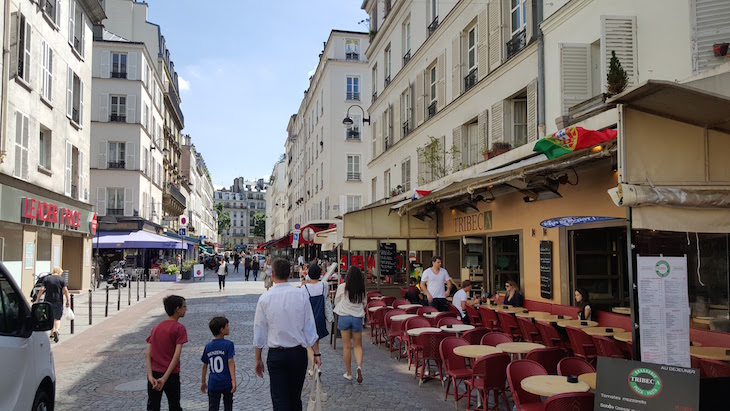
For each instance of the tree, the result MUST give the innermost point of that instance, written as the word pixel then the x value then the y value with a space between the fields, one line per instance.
pixel 259 229
pixel 617 78
pixel 224 218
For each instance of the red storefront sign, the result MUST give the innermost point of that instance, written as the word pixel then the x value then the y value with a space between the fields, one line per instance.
pixel 47 212
pixel 93 224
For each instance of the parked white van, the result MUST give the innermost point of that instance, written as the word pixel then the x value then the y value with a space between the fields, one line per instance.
pixel 27 374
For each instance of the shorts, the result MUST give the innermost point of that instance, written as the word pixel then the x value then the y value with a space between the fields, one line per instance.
pixel 348 322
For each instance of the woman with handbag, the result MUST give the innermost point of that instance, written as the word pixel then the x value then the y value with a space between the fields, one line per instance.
pixel 317 293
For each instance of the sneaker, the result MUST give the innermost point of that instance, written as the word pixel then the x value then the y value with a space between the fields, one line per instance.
pixel 55 336
pixel 347 376
pixel 359 375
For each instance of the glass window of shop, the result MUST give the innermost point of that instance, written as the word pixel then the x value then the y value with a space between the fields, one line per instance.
pixel 11 249
pixel 410 262
pixel 598 264
pixel 43 250
pixel 363 255
pixel 505 257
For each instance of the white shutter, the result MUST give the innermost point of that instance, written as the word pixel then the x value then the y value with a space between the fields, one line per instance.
pixel 709 19
pixel 456 143
pixel 128 201
pixel 419 99
pixel 441 82
pixel 103 110
pixel 456 67
pixel 69 93
pixel 68 169
pixel 44 70
pixel 532 111
pixel 144 206
pixel 49 74
pixel 618 33
pixel 102 155
pixel 132 66
pixel 28 51
pixel 482 44
pixel 81 176
pixel 101 201
pixel 496 45
pixel 14 40
pixel 82 40
pixel 106 58
pixel 58 13
pixel 26 142
pixel 81 103
pixel 129 162
pixel 497 122
pixel 575 74
pixel 483 131
pixel 131 108
pixel 71 21
pixel 18 170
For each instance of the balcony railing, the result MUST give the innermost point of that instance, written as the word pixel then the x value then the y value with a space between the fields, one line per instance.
pixel 75 115
pixel 119 74
pixel 375 96
pixel 407 57
pixel 353 134
pixel 470 80
pixel 406 128
pixel 115 211
pixel 117 118
pixel 352 56
pixel 353 176
pixel 432 109
pixel 517 43
pixel 116 164
pixel 433 26
pixel 387 81
pixel 352 95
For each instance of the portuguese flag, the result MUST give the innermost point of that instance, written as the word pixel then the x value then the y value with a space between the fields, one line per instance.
pixel 571 139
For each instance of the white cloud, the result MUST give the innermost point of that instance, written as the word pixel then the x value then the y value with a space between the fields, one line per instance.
pixel 184 84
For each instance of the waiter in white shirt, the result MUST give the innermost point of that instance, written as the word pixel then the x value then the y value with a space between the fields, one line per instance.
pixel 285 324
pixel 432 284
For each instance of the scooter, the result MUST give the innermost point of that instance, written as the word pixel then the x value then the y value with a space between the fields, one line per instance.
pixel 117 276
pixel 38 284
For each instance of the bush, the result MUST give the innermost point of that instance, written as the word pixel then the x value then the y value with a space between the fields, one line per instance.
pixel 169 269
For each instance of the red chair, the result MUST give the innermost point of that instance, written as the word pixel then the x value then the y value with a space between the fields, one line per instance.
pixel 403 292
pixel 473 315
pixel 574 366
pixel 388 300
pixel 489 319
pixel 447 321
pixel 508 322
pixel 495 339
pixel 411 347
pixel 426 309
pixel 547 357
pixel 489 375
pixel 475 336
pixel 400 301
pixel 429 343
pixel 714 369
pixel 695 363
pixel 570 401
pixel 517 371
pixel 454 366
pixel 439 316
pixel 378 329
pixel 371 315
pixel 370 294
pixel 412 310
pixel 529 331
pixel 453 309
pixel 549 335
pixel 607 347
pixel 392 328
pixel 582 344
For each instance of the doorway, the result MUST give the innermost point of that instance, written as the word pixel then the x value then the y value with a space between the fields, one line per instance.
pixel 451 258
pixel 73 252
pixel 506 261
pixel 598 264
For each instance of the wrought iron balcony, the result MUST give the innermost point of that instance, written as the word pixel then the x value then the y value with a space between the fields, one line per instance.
pixel 432 109
pixel 173 199
pixel 387 81
pixel 352 56
pixel 117 118
pixel 119 74
pixel 115 211
pixel 406 128
pixel 470 80
pixel 433 26
pixel 351 95
pixel 116 164
pixel 406 57
pixel 353 134
pixel 517 43
pixel 353 176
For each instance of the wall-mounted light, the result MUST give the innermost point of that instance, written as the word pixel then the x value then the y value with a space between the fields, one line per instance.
pixel 348 121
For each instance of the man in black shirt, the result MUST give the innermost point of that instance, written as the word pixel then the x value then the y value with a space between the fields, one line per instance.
pixel 54 287
pixel 247 265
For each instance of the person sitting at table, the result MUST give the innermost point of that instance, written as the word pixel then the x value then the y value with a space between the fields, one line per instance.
pixel 413 294
pixel 584 302
pixel 513 297
pixel 461 299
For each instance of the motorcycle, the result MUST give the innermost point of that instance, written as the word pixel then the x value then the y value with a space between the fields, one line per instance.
pixel 117 276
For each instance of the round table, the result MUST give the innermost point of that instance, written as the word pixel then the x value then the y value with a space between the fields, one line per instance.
pixel 402 317
pixel 378 297
pixel 551 318
pixel 624 336
pixel 538 315
pixel 622 310
pixel 456 328
pixel 373 309
pixel 549 385
pixel 710 353
pixel 417 331
pixel 475 351
pixel 588 378
pixel 500 308
pixel 407 306
pixel 430 315
pixel 519 347
pixel 577 323
pixel 603 331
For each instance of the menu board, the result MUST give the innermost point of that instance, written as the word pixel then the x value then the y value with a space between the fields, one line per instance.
pixel 388 259
pixel 663 310
pixel 546 269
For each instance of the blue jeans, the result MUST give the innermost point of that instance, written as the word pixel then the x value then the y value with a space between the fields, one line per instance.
pixel 348 322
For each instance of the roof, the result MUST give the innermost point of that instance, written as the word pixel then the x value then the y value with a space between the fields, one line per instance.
pixel 109 36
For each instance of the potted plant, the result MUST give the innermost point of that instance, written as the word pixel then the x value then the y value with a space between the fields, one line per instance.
pixel 168 272
pixel 617 78
pixel 498 148
pixel 720 49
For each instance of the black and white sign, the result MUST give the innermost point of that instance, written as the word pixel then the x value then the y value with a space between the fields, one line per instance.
pixel 388 259
pixel 546 269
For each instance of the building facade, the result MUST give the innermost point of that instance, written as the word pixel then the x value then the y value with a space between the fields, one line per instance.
pixel 276 202
pixel 202 218
pixel 243 200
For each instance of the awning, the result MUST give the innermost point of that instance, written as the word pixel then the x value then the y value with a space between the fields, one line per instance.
pixel 134 239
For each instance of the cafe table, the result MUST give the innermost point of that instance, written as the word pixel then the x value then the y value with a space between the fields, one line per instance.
pixel 710 353
pixel 407 306
pixel 402 317
pixel 500 308
pixel 378 297
pixel 456 328
pixel 533 314
pixel 431 315
pixel 549 385
pixel 417 331
pixel 475 351
pixel 588 378
pixel 623 336
pixel 603 331
pixel 622 310
pixel 550 318
pixel 373 309
pixel 519 348
pixel 577 323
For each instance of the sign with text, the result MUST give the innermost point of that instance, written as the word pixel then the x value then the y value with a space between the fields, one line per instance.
pixel 637 386
pixel 295 239
pixel 388 260
pixel 546 269
pixel 473 222
pixel 663 310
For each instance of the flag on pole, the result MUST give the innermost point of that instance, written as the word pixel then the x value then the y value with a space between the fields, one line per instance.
pixel 571 139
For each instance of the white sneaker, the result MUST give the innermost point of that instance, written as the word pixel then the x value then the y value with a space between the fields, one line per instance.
pixel 347 376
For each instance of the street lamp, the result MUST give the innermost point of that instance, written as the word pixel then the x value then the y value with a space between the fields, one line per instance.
pixel 348 121
pixel 165 150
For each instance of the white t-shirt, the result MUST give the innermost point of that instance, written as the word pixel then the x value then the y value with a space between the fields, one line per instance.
pixel 460 296
pixel 435 282
pixel 314 289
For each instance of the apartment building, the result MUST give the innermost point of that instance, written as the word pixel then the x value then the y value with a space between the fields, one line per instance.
pixel 243 200
pixel 276 197
pixel 45 218
pixel 326 159
pixel 201 214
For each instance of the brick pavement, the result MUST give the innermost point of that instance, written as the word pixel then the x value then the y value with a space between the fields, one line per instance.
pixel 103 367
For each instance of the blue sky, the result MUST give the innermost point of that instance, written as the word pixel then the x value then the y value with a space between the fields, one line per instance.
pixel 245 66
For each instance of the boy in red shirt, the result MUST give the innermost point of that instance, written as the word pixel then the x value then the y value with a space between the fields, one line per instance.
pixel 164 346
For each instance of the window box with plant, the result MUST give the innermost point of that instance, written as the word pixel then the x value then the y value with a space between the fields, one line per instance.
pixel 498 148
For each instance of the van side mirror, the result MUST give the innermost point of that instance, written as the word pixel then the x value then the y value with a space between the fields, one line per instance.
pixel 42 316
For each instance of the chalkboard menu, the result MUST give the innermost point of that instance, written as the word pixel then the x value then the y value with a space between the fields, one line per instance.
pixel 546 269
pixel 388 259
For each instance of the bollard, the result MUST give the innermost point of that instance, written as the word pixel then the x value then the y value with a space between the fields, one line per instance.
pixel 72 308
pixel 119 297
pixel 138 288
pixel 89 306
pixel 145 286
pixel 129 292
pixel 106 306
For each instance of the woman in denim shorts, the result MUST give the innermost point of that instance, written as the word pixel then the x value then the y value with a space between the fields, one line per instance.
pixel 350 307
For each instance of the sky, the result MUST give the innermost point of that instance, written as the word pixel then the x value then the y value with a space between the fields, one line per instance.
pixel 242 69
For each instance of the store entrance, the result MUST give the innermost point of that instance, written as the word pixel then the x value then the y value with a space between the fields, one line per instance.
pixel 504 252
pixel 451 258
pixel 73 252
pixel 598 264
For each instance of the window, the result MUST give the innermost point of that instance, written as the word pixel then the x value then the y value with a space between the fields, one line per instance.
pixel 352 49
pixel 432 80
pixel 387 58
pixel 470 145
pixel 47 72
pixel 353 203
pixel 117 151
pixel 433 14
pixel 44 146
pixel 374 81
pixel 76 28
pixel 353 88
pixel 519 122
pixel 353 167
pixel 321 180
pixel 21 145
pixel 405 169
pixel 74 98
pixel 407 42
pixel 352 132
pixel 12 317
pixel 119 109
pixel 471 58
pixel 386 184
pixel 518 15
pixel 405 111
pixel 24 44
pixel 146 117
pixel 145 161
pixel 119 65
pixel 51 11
pixel 115 201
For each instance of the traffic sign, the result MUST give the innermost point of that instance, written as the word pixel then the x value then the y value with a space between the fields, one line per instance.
pixel 183 220
pixel 297 226
pixel 295 239
pixel 181 232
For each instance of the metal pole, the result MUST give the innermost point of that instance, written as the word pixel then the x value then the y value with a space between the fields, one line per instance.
pixel 145 284
pixel 89 306
pixel 106 306
pixel 129 292
pixel 119 297
pixel 72 308
pixel 633 290
pixel 138 286
pixel 96 262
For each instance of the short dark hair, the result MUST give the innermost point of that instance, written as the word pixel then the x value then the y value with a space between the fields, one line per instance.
pixel 413 280
pixel 216 324
pixel 172 303
pixel 434 258
pixel 465 283
pixel 280 269
pixel 314 271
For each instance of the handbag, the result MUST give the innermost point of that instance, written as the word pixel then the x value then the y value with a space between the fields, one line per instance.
pixel 316 396
pixel 329 314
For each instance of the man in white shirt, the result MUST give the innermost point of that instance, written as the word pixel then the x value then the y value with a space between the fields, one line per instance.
pixel 432 284
pixel 285 324
pixel 461 299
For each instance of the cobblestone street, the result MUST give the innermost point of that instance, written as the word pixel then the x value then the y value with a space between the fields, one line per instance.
pixel 102 368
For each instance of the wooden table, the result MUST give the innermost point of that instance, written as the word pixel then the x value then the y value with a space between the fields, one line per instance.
pixel 519 347
pixel 622 310
pixel 475 351
pixel 431 315
pixel 603 331
pixel 624 336
pixel 402 317
pixel 538 315
pixel 407 306
pixel 710 353
pixel 500 308
pixel 551 318
pixel 549 385
pixel 456 328
pixel 417 331
pixel 577 323
pixel 588 378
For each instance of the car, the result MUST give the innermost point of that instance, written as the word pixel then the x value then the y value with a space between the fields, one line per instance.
pixel 27 371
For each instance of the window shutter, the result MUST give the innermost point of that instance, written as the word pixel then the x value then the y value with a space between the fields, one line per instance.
pixel 709 19
pixel 482 44
pixel 58 13
pixel 69 92
pixel 497 122
pixel 131 108
pixel 49 74
pixel 618 33
pixel 496 45
pixel 396 125
pixel 379 134
pixel 103 111
pixel 81 176
pixel 14 40
pixel 42 64
pixel 374 137
pixel 129 162
pixel 421 165
pixel 456 67
pixel 144 205
pixel 128 201
pixel 419 99
pixel 18 169
pixel 101 201
pixel 28 52
pixel 483 129
pixel 24 148
pixel 441 82
pixel 102 155
pixel 71 21
pixel 532 111
pixel 69 167
pixel 106 58
pixel 81 103
pixel 575 74
pixel 456 153
pixel 132 66
pixel 83 34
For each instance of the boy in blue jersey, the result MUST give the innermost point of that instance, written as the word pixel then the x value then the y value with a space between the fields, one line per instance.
pixel 218 356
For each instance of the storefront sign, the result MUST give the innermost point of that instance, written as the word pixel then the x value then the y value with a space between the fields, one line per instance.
pixel 198 271
pixel 638 386
pixel 473 222
pixel 388 261
pixel 546 269
pixel 571 221
pixel 663 310
pixel 42 211
pixel 23 207
pixel 29 256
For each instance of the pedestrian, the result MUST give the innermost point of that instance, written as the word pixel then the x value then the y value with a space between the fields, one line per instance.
pixel 267 274
pixel 316 292
pixel 432 284
pixel 255 267
pixel 236 260
pixel 162 359
pixel 54 286
pixel 285 324
pixel 222 273
pixel 247 265
pixel 218 356
pixel 303 277
pixel 350 307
